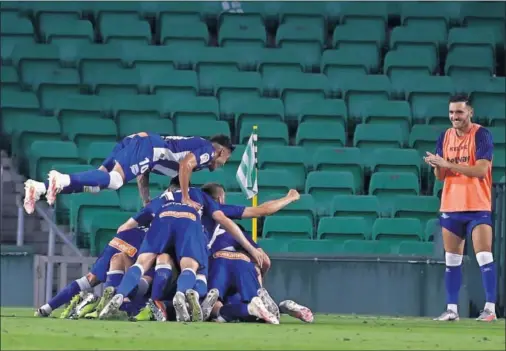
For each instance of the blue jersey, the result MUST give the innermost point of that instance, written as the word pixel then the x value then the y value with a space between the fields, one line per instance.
pixel 220 239
pixel 146 152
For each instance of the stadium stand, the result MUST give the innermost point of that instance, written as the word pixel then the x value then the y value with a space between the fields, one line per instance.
pixel 347 97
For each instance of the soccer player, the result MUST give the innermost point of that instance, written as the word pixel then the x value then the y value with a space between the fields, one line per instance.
pixel 463 161
pixel 177 227
pixel 135 157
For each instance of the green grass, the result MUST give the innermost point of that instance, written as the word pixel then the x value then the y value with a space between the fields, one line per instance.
pixel 21 331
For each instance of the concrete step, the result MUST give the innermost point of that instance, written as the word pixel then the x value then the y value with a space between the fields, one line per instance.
pixel 11 224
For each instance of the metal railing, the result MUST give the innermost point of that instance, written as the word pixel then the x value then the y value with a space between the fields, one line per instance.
pixel 51 243
pixel 2 174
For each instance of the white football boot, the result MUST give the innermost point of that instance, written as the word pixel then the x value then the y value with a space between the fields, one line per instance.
pixel 33 191
pixel 296 311
pixel 257 308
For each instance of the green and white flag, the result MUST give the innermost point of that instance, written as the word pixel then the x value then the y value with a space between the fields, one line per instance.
pixel 247 171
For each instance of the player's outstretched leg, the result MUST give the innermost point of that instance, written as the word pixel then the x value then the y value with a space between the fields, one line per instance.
pixel 296 311
pixel 268 302
pixel 33 191
pixel 244 311
pixel 208 303
pixel 88 305
pixel 110 302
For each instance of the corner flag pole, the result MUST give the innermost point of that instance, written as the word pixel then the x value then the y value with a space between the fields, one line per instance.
pixel 254 226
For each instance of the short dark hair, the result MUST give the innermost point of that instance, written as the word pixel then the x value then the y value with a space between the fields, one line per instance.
pixel 460 98
pixel 223 140
pixel 212 189
pixel 175 182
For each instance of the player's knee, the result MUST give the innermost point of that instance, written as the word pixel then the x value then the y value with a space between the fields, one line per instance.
pixel 189 263
pixel 484 258
pixel 116 180
pixel 146 260
pixel 83 283
pixel 453 260
pixel 163 259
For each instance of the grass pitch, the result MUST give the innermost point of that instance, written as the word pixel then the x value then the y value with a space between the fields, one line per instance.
pixel 21 331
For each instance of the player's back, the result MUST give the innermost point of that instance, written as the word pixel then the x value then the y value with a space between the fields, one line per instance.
pixel 174 199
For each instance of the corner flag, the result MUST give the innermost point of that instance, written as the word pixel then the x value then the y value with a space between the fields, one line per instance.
pixel 247 172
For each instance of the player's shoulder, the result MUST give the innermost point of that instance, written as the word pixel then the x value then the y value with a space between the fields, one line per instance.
pixel 482 132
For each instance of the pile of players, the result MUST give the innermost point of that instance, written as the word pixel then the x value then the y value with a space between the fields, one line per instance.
pixel 181 258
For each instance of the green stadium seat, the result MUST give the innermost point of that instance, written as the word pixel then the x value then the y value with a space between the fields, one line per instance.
pixel 498 136
pixel 234 84
pixel 476 15
pixel 129 126
pixel 425 91
pixel 499 165
pixel 354 34
pixel 304 207
pixel 296 90
pixel 467 64
pixel 388 186
pixel 253 110
pixel 52 85
pixel 217 176
pixel 479 37
pixel 423 15
pixel 287 227
pixel 315 247
pixel 208 71
pixel 14 25
pixel 124 28
pixel 423 138
pixel 324 111
pixel 324 185
pixel 388 112
pixel 183 28
pixel 204 128
pixel 25 129
pixel 287 158
pixel 432 228
pixel 406 62
pixel 73 105
pixel 301 36
pixel 275 181
pixel 110 79
pixel 111 53
pixel 395 160
pixel 314 135
pixel 358 92
pixel 297 12
pixel 349 62
pixel 437 188
pixel 409 248
pixel 351 12
pixel 9 78
pixel 138 107
pixel 489 101
pixel 83 132
pixel 129 199
pixel 368 247
pixel 98 151
pixel 15 103
pixel 85 206
pixel 43 154
pixel 428 41
pixel 65 26
pixel 104 228
pixel 342 229
pixel 347 159
pixel 423 208
pixel 365 206
pixel 196 108
pixel 269 133
pixel 284 58
pixel 182 85
pixel 369 137
pixel 435 113
pixel 273 246
pixel 242 29
pixel 396 230
pixel 231 167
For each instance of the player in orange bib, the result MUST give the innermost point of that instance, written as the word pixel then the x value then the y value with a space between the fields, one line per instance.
pixel 463 161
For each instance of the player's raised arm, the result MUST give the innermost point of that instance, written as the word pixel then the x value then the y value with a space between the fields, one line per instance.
pixel 143 185
pixel 186 168
pixel 270 207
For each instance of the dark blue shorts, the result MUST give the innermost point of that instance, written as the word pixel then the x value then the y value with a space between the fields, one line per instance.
pixel 127 241
pixel 231 274
pixel 463 223
pixel 178 235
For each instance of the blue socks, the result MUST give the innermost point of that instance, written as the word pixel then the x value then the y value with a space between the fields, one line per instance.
pixel 72 188
pixel 90 178
pixel 163 275
pixel 130 280
pixel 488 275
pixel 235 311
pixel 113 278
pixel 186 280
pixel 201 287
pixel 69 292
pixel 453 280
